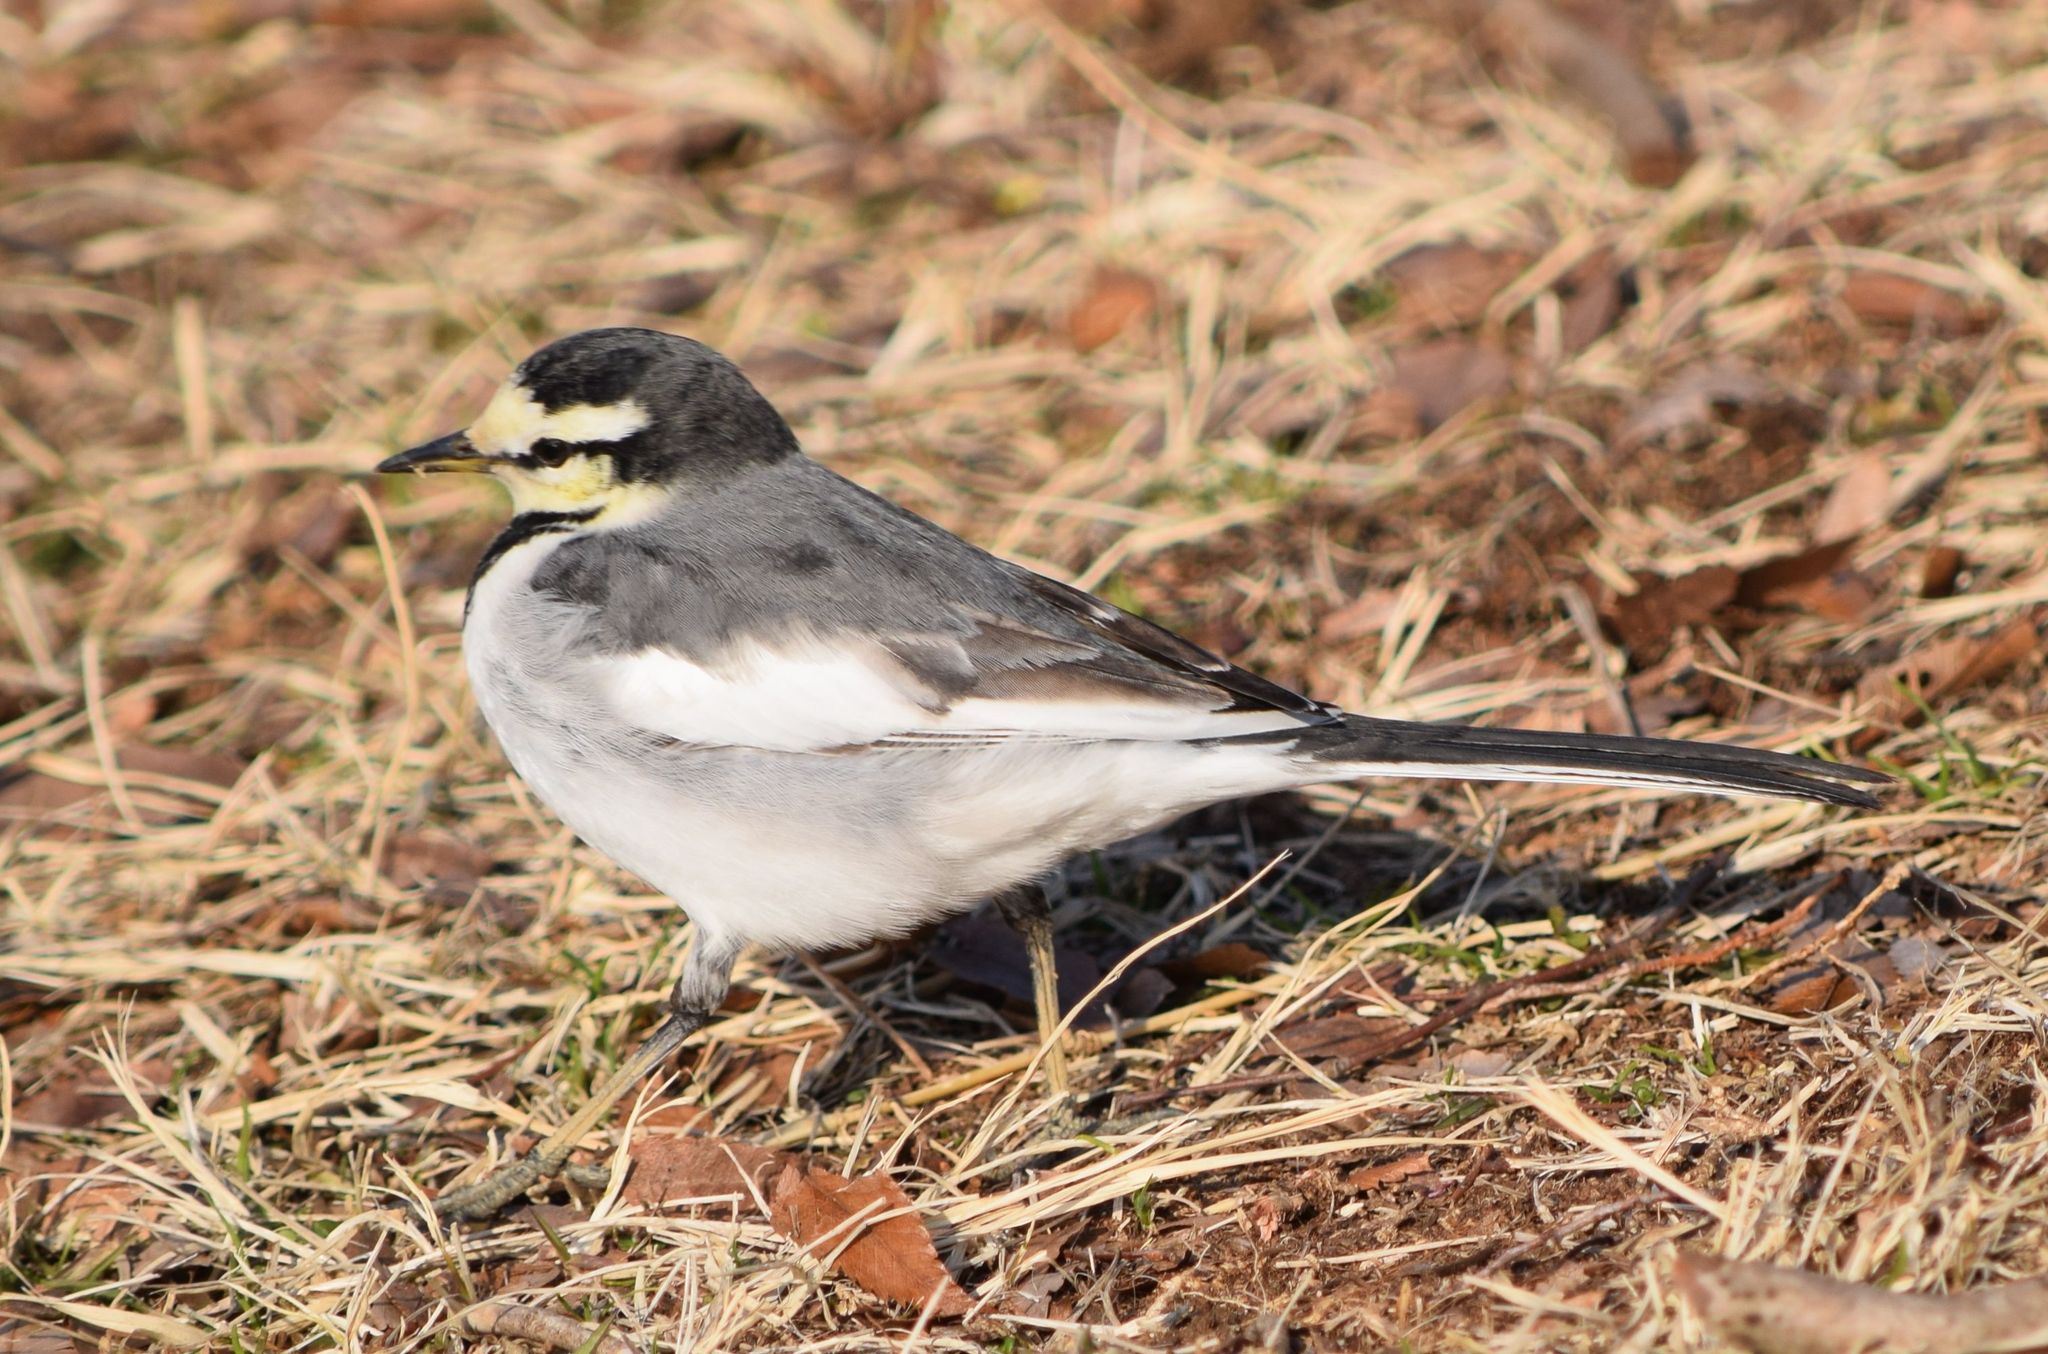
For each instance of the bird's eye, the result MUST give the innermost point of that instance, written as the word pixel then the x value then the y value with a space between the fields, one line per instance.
pixel 551 451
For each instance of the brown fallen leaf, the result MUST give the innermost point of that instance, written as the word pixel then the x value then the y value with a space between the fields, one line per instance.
pixel 1448 286
pixel 1769 583
pixel 1859 502
pixel 1774 1309
pixel 1234 959
pixel 1172 41
pixel 218 769
pixel 1113 301
pixel 1811 989
pixel 666 1168
pixel 316 523
pixel 1045 1246
pixel 1442 377
pixel 1940 672
pixel 1655 141
pixel 29 793
pixel 319 916
pixel 1887 298
pixel 1593 294
pixel 260 132
pixel 19 1336
pixel 68 1202
pixel 1646 619
pixel 1365 615
pixel 68 1103
pixel 676 1117
pixel 414 859
pixel 892 1258
pixel 1183 36
pixel 1268 1213
pixel 1388 1172
pixel 756 1078
pixel 1814 580
pixel 1845 595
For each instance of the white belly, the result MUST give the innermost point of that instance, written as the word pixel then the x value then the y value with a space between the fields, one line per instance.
pixel 805 850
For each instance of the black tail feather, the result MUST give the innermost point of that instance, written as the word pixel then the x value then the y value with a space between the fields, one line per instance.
pixel 1457 751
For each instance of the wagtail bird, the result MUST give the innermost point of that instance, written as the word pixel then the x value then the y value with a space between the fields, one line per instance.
pixel 814 719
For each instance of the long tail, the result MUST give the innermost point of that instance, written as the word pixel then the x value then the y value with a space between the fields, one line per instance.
pixel 1359 746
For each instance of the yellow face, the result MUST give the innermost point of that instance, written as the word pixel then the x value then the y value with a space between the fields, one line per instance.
pixel 612 428
pixel 517 437
pixel 514 420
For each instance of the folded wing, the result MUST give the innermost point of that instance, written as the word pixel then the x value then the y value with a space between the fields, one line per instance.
pixel 985 679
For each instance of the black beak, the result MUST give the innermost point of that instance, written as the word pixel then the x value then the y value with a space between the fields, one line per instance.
pixel 455 453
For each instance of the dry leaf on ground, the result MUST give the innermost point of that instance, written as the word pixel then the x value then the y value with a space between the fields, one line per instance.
pixel 1816 581
pixel 1388 1172
pixel 1114 300
pixel 1448 286
pixel 1594 294
pixel 1933 676
pixel 1859 502
pixel 1233 959
pixel 161 783
pixel 1646 619
pixel 666 1168
pixel 1436 380
pixel 412 859
pixel 892 1257
pixel 1888 298
pixel 1656 146
pixel 1335 1043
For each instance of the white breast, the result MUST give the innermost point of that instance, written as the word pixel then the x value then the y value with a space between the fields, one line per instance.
pixel 750 845
pixel 790 848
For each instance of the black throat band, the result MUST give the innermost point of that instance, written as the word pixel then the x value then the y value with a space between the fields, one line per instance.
pixel 518 532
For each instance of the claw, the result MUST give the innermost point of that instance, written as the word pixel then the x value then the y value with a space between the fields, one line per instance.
pixel 479 1200
pixel 475 1202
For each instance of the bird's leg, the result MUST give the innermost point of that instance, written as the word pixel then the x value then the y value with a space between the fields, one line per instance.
pixel 706 976
pixel 485 1197
pixel 1030 915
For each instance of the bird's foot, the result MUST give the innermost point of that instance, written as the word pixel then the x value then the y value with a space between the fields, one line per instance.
pixel 482 1199
pixel 477 1201
pixel 588 1176
pixel 1068 1120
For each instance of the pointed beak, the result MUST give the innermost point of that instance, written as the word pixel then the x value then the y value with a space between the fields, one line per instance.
pixel 453 453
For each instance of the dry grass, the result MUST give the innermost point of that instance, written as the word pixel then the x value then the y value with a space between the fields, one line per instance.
pixel 1303 329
